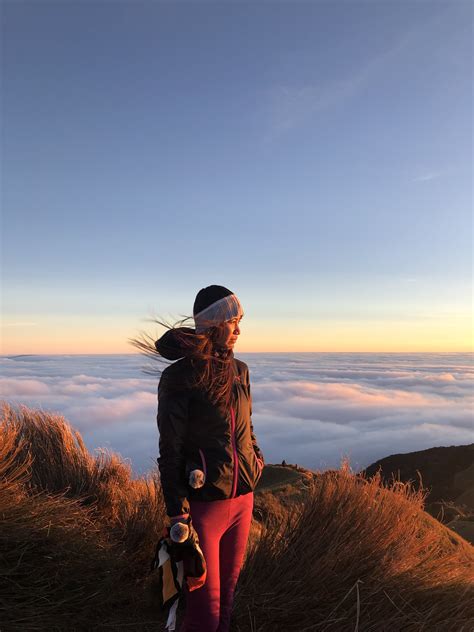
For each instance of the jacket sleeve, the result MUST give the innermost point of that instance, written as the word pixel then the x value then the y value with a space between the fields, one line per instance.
pixel 257 450
pixel 172 420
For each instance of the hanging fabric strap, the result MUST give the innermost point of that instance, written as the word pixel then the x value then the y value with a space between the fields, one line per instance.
pixel 171 580
pixel 172 576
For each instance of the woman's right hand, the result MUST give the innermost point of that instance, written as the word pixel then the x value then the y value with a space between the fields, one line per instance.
pixel 188 551
pixel 182 532
pixel 179 532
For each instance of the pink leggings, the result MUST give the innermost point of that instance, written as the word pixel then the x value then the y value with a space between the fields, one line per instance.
pixel 223 529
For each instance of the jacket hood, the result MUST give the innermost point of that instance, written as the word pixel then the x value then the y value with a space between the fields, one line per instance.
pixel 179 342
pixel 175 343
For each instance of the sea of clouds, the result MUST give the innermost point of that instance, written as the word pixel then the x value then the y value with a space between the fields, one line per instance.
pixel 308 408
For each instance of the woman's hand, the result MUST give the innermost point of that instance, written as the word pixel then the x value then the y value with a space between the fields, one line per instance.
pixel 182 532
pixel 185 548
pixel 179 532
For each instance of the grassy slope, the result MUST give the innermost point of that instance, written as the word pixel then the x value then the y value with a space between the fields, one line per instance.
pixel 329 551
pixel 448 475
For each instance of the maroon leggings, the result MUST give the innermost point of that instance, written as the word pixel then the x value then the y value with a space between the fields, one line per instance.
pixel 223 529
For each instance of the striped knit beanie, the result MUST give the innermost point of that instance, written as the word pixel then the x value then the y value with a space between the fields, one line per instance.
pixel 213 305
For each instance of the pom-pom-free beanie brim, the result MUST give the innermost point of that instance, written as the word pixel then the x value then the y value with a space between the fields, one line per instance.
pixel 209 295
pixel 213 305
pixel 220 311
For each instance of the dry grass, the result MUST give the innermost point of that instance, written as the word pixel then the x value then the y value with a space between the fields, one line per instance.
pixel 77 532
pixel 357 555
pixel 339 553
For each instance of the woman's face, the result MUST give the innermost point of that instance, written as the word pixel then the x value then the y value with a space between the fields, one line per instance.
pixel 228 332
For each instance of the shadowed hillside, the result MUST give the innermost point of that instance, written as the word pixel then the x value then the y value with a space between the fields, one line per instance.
pixel 329 551
pixel 447 473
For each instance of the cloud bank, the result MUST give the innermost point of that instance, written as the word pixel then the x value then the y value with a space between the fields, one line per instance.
pixel 311 409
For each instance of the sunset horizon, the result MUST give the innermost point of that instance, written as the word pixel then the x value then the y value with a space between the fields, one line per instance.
pixel 149 154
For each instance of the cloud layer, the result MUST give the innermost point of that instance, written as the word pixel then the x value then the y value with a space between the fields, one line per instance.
pixel 311 409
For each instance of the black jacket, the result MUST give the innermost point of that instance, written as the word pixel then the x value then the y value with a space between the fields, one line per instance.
pixel 194 434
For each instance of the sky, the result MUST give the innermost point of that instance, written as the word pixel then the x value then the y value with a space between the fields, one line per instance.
pixel 315 158
pixel 312 409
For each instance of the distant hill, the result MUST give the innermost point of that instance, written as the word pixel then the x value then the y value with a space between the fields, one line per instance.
pixel 448 473
pixel 440 469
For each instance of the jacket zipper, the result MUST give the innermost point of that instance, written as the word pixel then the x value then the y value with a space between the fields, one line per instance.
pixel 234 451
pixel 203 459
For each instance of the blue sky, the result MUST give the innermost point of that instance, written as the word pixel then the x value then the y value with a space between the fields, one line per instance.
pixel 316 158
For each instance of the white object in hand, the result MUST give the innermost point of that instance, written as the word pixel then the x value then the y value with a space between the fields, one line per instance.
pixel 179 532
pixel 197 478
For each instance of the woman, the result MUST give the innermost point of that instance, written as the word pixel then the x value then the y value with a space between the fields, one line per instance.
pixel 204 421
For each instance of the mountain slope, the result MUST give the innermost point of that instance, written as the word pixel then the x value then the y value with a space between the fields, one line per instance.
pixel 447 473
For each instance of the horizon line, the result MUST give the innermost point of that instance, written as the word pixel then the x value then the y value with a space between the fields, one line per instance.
pixel 16 355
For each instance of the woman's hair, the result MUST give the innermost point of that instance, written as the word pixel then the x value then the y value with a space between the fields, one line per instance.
pixel 212 366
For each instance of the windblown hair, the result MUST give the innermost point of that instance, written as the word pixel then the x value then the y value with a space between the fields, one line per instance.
pixel 212 366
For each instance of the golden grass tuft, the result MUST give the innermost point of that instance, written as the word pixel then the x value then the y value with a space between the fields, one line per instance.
pixel 77 532
pixel 358 555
